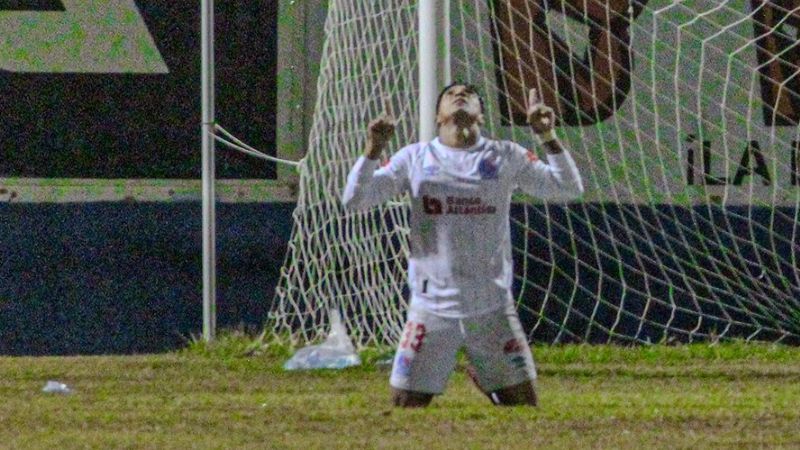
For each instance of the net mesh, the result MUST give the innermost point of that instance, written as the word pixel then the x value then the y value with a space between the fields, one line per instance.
pixel 682 117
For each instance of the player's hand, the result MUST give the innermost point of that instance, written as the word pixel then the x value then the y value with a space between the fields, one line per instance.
pixel 379 132
pixel 540 116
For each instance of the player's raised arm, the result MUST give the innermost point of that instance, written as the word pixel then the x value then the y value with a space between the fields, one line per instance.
pixel 367 184
pixel 559 177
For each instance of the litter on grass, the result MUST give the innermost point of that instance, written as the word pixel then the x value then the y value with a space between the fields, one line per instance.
pixel 337 352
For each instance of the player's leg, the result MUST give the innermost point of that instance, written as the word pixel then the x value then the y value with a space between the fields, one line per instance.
pixel 519 394
pixel 410 399
pixel 425 358
pixel 501 363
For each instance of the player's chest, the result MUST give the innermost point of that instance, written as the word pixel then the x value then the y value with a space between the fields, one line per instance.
pixel 476 174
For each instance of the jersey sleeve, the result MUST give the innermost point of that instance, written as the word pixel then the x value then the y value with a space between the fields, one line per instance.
pixel 369 185
pixel 558 179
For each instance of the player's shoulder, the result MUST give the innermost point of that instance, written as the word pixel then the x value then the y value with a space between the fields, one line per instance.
pixel 515 152
pixel 407 156
pixel 505 147
pixel 413 151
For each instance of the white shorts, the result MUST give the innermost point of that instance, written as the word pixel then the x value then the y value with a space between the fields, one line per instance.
pixel 495 344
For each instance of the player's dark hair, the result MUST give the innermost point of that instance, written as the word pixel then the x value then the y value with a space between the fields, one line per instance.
pixel 470 88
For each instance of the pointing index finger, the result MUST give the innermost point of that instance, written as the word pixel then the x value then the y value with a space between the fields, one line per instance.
pixel 387 106
pixel 533 97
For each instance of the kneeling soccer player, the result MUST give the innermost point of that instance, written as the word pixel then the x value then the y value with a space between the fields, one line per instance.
pixel 460 266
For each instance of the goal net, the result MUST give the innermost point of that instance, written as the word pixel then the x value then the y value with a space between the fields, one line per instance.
pixel 683 120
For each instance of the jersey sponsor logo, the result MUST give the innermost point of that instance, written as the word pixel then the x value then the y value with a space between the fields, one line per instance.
pixel 432 205
pixel 456 206
pixel 468 206
pixel 82 37
pixel 487 168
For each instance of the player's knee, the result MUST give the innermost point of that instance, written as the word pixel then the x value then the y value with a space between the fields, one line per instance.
pixel 410 399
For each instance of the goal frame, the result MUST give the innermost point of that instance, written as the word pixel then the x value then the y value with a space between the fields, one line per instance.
pixel 434 71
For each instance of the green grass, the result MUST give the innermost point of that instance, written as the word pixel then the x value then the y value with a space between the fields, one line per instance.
pixel 235 395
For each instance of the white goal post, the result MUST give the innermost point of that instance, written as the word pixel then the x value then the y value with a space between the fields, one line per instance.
pixel 209 174
pixel 434 68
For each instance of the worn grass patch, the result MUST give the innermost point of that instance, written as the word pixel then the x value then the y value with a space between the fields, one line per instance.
pixel 235 395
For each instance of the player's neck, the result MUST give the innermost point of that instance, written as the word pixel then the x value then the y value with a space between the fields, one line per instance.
pixel 455 136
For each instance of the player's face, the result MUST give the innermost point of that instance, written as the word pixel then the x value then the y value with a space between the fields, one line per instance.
pixel 460 100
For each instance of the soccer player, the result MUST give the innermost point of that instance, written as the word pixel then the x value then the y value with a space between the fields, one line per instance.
pixel 460 266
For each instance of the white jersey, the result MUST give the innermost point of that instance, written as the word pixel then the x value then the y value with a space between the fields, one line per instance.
pixel 460 245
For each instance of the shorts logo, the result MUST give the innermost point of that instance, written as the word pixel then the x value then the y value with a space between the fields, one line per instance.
pixel 488 169
pixel 512 346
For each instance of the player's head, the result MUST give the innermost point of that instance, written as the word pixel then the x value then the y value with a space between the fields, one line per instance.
pixel 459 99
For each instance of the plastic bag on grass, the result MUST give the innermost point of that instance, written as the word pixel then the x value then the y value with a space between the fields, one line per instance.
pixel 56 387
pixel 336 352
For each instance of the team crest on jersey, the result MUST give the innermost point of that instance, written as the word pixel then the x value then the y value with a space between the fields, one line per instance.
pixel 488 169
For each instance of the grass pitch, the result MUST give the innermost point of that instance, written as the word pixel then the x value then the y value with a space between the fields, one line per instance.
pixel 729 396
